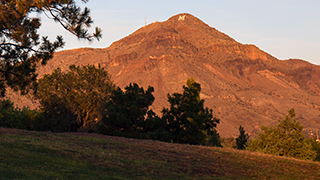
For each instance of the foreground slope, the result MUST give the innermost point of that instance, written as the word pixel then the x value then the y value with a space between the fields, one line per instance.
pixel 242 84
pixel 44 155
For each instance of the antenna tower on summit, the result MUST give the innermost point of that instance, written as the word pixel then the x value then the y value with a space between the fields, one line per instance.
pixel 145 21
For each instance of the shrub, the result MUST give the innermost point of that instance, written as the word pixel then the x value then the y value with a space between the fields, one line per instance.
pixel 14 117
pixel 315 147
pixel 286 139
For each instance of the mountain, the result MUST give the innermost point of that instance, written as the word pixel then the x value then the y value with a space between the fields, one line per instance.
pixel 241 83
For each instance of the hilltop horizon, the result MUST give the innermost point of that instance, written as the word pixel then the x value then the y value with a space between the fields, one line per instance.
pixel 157 21
pixel 281 29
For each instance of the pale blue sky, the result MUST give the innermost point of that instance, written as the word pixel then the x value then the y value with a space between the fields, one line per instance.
pixel 283 28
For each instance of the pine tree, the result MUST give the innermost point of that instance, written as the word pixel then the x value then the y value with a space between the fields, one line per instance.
pixel 128 113
pixel 21 48
pixel 187 119
pixel 242 139
pixel 214 139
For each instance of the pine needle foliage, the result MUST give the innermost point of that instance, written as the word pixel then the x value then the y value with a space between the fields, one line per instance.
pixel 242 139
pixel 128 114
pixel 187 120
pixel 22 48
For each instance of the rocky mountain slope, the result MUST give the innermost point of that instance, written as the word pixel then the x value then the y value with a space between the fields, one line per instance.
pixel 242 84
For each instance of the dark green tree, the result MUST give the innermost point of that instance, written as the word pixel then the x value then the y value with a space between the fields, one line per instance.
pixel 187 120
pixel 14 117
pixel 242 139
pixel 286 139
pixel 21 48
pixel 77 97
pixel 128 113
pixel 214 139
pixel 8 116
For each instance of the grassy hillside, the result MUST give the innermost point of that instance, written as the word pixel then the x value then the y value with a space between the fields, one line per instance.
pixel 39 155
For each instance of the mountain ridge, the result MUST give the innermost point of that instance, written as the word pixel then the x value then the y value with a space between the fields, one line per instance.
pixel 241 83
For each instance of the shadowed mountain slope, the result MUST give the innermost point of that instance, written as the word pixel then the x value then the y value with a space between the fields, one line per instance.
pixel 242 84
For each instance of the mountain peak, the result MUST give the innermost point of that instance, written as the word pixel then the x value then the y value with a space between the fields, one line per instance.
pixel 191 26
pixel 185 36
pixel 184 17
pixel 242 84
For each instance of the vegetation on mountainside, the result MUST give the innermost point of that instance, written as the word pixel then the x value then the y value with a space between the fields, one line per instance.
pixel 21 48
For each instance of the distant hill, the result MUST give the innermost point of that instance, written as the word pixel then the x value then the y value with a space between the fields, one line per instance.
pixel 241 83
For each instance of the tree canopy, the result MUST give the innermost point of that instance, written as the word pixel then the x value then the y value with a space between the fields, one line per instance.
pixel 22 48
pixel 286 139
pixel 242 139
pixel 79 94
pixel 128 113
pixel 187 119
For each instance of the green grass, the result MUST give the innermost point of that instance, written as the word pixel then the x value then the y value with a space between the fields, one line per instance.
pixel 39 155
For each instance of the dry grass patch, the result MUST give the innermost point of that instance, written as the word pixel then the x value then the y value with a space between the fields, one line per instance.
pixel 39 155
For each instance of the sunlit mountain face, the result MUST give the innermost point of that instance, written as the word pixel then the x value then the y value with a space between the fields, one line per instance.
pixel 242 84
